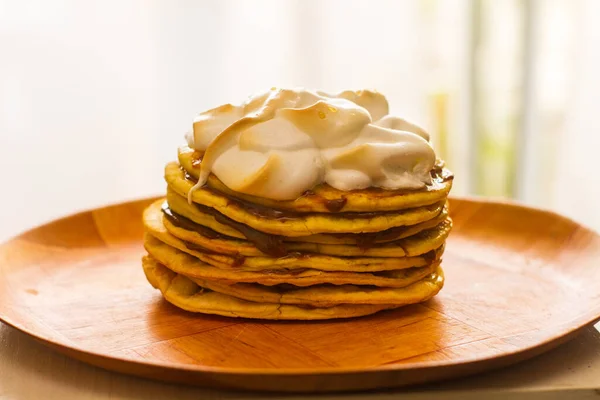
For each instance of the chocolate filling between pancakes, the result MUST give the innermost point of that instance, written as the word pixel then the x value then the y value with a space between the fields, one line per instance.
pixel 271 245
pixel 267 243
pixel 333 205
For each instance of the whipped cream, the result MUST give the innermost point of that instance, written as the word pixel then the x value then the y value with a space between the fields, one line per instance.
pixel 281 143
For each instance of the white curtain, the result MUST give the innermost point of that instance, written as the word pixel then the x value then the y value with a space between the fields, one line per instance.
pixel 576 182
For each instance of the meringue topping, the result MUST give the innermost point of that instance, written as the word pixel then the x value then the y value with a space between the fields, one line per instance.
pixel 281 143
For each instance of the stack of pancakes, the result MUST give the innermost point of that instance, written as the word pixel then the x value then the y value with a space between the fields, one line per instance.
pixel 327 254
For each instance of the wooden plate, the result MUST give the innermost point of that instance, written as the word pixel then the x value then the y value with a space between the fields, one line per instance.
pixel 519 282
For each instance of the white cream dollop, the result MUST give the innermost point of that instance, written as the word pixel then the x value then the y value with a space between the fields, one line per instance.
pixel 280 143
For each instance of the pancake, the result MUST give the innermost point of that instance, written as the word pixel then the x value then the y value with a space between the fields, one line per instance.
pixel 300 205
pixel 153 223
pixel 209 221
pixel 330 295
pixel 292 225
pixel 324 198
pixel 415 245
pixel 188 295
pixel 190 266
pixel 326 295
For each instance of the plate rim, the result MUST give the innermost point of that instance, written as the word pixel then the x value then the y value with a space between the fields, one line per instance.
pixel 333 370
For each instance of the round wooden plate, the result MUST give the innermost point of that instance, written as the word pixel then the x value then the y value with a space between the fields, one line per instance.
pixel 519 281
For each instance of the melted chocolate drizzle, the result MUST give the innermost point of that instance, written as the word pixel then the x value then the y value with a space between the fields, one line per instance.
pixel 335 205
pixel 184 223
pixel 238 260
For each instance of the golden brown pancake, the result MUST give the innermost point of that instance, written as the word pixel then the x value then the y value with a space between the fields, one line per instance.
pixel 190 266
pixel 299 224
pixel 326 295
pixel 193 214
pixel 188 295
pixel 324 198
pixel 330 295
pixel 412 246
pixel 154 225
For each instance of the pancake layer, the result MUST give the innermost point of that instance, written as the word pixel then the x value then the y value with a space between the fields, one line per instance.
pixel 188 295
pixel 325 199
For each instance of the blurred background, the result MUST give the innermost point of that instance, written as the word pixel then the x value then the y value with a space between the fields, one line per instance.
pixel 96 96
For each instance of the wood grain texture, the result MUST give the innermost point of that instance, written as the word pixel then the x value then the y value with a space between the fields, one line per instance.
pixel 519 282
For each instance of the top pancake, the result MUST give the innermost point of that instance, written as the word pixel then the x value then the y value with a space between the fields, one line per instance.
pixel 327 199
